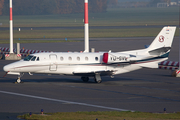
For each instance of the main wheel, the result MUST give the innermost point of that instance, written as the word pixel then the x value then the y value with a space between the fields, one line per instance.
pixel 85 79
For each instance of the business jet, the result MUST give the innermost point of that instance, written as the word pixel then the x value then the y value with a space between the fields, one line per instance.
pixel 87 64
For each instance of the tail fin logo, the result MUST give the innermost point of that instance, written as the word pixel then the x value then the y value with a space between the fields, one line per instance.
pixel 161 38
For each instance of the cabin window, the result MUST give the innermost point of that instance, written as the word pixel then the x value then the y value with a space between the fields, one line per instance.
pixel 78 58
pixel 96 58
pixel 86 58
pixel 61 58
pixel 70 58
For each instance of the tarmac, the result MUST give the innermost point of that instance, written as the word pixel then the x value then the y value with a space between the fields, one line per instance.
pixel 146 90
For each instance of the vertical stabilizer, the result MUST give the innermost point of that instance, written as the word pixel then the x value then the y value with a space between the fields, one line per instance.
pixel 163 40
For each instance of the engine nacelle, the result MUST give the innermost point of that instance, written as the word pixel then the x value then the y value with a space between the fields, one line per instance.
pixel 116 58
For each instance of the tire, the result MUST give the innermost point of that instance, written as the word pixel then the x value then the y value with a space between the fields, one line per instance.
pixel 85 79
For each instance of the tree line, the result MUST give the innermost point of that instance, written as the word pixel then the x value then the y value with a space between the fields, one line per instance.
pixel 45 7
pixel 1 6
pixel 161 1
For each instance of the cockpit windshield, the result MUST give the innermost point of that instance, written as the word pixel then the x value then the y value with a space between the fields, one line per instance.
pixel 31 58
pixel 28 58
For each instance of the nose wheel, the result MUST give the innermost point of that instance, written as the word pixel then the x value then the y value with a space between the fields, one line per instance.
pixel 19 78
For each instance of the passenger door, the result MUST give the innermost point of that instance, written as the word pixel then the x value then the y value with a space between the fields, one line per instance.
pixel 53 61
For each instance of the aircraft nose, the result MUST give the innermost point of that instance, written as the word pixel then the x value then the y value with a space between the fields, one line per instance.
pixel 7 68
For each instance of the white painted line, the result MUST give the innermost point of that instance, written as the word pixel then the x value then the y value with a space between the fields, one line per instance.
pixel 64 101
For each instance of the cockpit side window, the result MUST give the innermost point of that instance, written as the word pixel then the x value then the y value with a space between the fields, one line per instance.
pixel 37 59
pixel 28 58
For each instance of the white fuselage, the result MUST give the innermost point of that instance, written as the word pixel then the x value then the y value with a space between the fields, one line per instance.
pixel 68 63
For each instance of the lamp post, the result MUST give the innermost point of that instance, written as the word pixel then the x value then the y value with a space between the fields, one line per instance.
pixel 11 26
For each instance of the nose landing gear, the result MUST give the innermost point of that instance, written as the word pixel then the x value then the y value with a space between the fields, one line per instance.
pixel 19 78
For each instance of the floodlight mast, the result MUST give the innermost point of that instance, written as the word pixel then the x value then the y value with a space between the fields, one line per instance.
pixel 179 36
pixel 11 26
pixel 86 27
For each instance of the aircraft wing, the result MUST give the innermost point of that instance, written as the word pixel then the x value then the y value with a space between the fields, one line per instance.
pixel 93 73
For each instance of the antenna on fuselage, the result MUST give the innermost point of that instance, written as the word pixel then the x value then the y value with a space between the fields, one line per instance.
pixel 86 27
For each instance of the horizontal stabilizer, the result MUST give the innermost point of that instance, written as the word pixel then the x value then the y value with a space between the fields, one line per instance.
pixel 159 51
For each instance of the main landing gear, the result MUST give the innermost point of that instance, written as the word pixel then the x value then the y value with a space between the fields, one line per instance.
pixel 85 79
pixel 97 78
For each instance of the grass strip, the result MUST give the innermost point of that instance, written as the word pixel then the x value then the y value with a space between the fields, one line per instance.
pixel 113 17
pixel 37 41
pixel 94 33
pixel 107 115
